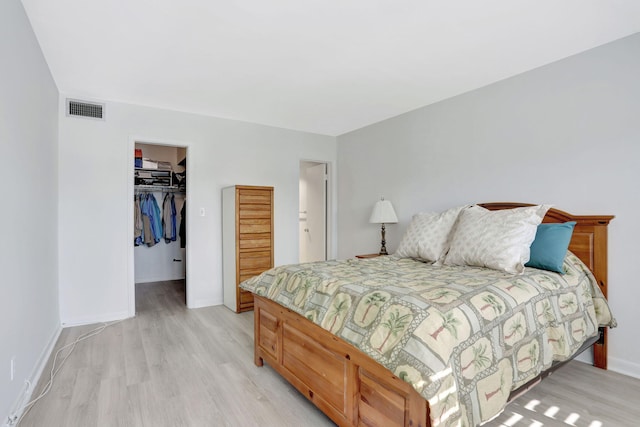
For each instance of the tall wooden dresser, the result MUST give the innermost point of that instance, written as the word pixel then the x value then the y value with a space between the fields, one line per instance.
pixel 247 240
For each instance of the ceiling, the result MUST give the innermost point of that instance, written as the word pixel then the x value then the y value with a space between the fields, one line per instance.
pixel 322 66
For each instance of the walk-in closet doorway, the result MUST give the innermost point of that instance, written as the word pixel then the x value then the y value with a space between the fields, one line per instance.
pixel 158 248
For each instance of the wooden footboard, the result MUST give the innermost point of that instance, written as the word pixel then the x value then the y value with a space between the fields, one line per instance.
pixel 340 380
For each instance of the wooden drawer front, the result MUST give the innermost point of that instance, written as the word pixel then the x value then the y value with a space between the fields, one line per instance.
pixel 378 405
pixel 322 371
pixel 268 333
pixel 255 260
pixel 245 307
pixel 255 211
pixel 255 241
pixel 255 225
pixel 246 297
pixel 254 197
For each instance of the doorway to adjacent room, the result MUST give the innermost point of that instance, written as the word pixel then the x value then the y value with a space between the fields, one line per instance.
pixel 313 227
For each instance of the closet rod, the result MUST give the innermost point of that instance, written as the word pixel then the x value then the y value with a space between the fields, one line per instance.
pixel 156 188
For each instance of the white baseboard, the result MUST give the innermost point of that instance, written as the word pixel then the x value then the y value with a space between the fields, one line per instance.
pixel 624 367
pixel 110 317
pixel 26 392
pixel 613 364
pixel 203 302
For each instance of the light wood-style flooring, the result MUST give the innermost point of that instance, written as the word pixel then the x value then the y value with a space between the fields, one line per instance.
pixel 170 366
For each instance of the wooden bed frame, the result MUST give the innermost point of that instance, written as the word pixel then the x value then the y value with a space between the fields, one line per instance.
pixel 354 390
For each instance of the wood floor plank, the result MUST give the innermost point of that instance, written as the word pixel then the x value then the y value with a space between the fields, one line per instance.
pixel 578 395
pixel 170 366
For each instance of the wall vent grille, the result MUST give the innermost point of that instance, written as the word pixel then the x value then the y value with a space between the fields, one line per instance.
pixel 89 110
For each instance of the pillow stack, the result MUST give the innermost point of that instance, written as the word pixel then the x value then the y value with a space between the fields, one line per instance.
pixel 495 239
pixel 505 240
pixel 427 237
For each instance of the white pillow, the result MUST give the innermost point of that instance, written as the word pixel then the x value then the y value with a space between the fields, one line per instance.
pixel 495 239
pixel 427 237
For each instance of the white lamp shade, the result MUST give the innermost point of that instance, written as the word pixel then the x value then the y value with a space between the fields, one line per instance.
pixel 383 213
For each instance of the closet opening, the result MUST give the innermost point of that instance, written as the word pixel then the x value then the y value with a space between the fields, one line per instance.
pixel 313 225
pixel 159 226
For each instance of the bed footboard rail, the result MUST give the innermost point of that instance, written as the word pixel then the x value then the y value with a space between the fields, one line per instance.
pixel 344 383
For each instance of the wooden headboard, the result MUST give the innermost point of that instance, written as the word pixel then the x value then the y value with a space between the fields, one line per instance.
pixel 589 243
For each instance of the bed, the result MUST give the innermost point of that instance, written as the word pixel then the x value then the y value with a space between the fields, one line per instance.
pixel 372 358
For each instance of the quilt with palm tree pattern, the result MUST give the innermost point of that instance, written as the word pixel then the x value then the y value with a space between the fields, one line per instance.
pixel 463 337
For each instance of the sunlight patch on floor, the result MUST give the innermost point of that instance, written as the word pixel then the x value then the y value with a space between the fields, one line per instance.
pixel 513 420
pixel 532 405
pixel 571 419
pixel 517 419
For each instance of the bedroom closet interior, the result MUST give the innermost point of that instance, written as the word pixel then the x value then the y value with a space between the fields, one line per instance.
pixel 159 223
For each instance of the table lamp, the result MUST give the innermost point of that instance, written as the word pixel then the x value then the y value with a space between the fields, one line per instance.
pixel 383 213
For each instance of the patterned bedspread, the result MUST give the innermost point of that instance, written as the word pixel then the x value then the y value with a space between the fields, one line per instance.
pixel 464 337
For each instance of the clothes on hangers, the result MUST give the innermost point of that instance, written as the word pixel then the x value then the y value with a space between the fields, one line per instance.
pixel 169 218
pixel 183 226
pixel 156 218
pixel 151 230
pixel 137 222
pixel 151 224
pixel 147 233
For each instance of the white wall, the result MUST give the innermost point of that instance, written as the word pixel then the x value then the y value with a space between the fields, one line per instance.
pixel 566 134
pixel 95 191
pixel 28 137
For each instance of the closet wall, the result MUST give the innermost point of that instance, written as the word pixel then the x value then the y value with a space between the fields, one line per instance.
pixel 163 261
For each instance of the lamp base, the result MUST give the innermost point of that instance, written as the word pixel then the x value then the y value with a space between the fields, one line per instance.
pixel 383 248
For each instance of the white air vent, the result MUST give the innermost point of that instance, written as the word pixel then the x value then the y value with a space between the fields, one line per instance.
pixel 90 110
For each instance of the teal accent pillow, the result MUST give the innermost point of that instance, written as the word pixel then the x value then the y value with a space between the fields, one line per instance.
pixel 550 246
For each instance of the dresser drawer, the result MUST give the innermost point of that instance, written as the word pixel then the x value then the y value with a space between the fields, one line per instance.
pixel 255 260
pixel 254 197
pixel 255 241
pixel 255 225
pixel 255 211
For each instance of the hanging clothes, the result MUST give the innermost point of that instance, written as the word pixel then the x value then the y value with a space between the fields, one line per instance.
pixel 156 218
pixel 137 222
pixel 147 233
pixel 151 224
pixel 151 219
pixel 169 218
pixel 183 226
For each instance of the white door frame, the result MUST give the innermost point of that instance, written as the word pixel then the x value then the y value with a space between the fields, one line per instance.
pixel 327 208
pixel 131 285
